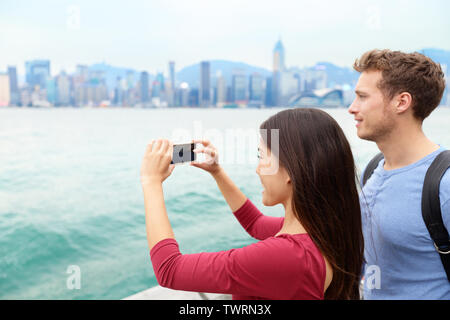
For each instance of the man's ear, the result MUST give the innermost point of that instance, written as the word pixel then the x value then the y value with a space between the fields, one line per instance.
pixel 404 102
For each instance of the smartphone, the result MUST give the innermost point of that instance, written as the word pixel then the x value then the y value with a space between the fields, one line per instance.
pixel 183 153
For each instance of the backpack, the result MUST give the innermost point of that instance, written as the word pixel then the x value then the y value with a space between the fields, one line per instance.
pixel 431 209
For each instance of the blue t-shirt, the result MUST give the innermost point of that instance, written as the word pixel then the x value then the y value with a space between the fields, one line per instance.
pixel 401 261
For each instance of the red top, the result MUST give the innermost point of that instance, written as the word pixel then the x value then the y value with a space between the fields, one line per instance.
pixel 284 267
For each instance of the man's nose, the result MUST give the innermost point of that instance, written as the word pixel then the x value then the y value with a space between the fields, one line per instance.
pixel 352 109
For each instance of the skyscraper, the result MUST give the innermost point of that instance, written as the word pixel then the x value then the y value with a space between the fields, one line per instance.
pixel 256 87
pixel 288 87
pixel 91 93
pixel 171 92
pixel 13 87
pixel 172 74
pixel 50 86
pixel 239 88
pixel 278 57
pixel 221 90
pixel 184 94
pixel 118 92
pixel 160 79
pixel 193 97
pixel 268 94
pixel 81 74
pixel 278 68
pixel 204 90
pixel 63 89
pixel 130 79
pixel 37 72
pixel 144 87
pixel 156 89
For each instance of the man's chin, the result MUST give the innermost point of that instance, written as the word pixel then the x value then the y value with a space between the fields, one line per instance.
pixel 365 136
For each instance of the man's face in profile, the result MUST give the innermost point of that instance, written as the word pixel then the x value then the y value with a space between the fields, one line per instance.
pixel 371 109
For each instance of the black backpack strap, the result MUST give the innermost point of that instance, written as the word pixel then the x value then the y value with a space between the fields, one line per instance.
pixel 373 164
pixel 431 208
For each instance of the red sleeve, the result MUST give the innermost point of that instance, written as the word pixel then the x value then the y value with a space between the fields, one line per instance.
pixel 255 223
pixel 253 270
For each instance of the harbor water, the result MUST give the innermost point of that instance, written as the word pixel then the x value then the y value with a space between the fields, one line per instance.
pixel 70 193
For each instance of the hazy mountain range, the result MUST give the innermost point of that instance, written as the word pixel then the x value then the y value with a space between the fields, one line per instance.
pixel 191 74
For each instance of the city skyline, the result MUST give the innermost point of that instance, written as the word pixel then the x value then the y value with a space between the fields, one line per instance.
pixel 145 36
pixel 169 70
pixel 323 85
pixel 109 86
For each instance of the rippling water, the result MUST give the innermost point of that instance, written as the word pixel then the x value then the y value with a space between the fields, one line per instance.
pixel 70 194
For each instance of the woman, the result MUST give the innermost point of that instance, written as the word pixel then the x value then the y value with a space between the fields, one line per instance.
pixel 314 252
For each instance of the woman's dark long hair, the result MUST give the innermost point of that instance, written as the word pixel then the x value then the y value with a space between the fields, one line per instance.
pixel 319 161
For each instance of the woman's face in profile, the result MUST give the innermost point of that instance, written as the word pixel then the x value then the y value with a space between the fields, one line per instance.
pixel 276 183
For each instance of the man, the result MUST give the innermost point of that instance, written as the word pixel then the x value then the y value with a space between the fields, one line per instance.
pixel 396 91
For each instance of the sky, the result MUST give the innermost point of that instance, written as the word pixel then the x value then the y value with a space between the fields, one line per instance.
pixel 146 35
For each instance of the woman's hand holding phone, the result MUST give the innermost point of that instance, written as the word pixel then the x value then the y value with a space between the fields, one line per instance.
pixel 211 164
pixel 232 194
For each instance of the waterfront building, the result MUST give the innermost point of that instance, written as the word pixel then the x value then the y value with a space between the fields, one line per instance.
pixel 13 86
pixel 193 97
pixel 183 94
pixel 221 90
pixel 143 86
pixel 278 57
pixel 205 85
pixel 239 88
pixel 278 68
pixel 172 73
pixel 91 93
pixel 50 89
pixel 25 97
pixel 172 92
pixel 37 72
pixel 268 92
pixel 256 90
pixel 160 81
pixel 63 85
pixel 323 98
pixel 288 86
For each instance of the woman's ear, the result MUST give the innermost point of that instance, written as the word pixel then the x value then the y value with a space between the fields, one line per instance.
pixel 287 179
